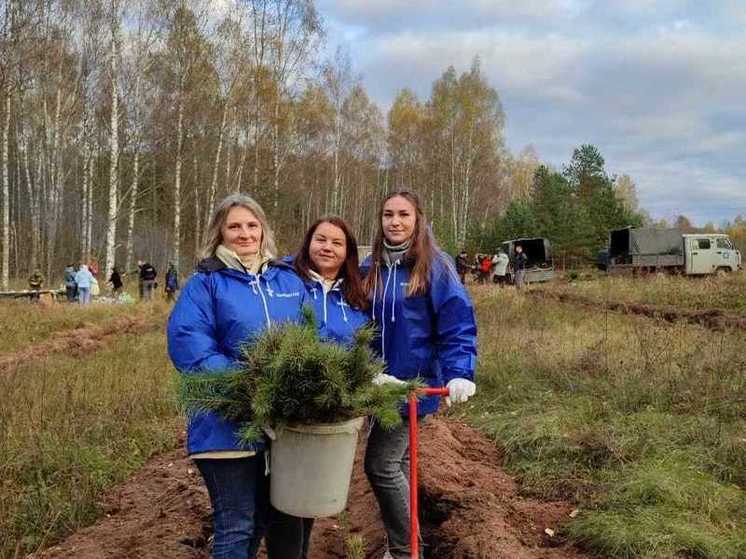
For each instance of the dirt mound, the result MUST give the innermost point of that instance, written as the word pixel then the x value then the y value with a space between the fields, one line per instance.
pixel 470 509
pixel 714 319
pixel 85 338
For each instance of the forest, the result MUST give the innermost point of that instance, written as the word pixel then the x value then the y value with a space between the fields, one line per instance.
pixel 122 123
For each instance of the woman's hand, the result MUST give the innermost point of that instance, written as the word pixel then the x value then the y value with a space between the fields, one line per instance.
pixel 460 390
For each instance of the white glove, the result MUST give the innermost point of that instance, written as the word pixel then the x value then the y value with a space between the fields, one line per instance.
pixel 269 432
pixel 459 391
pixel 383 378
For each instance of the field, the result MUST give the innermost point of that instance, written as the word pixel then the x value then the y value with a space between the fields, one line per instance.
pixel 634 423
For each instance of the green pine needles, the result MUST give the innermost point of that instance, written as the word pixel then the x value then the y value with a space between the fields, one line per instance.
pixel 289 375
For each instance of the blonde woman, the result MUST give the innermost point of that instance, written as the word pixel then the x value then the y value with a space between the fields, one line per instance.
pixel 236 292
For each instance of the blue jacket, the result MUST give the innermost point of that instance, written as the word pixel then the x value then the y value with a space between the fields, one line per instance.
pixel 433 335
pixel 335 318
pixel 219 309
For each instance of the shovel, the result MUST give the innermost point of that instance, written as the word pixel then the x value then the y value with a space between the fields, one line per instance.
pixel 414 522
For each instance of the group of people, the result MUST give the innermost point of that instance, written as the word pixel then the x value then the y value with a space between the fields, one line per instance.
pixel 499 268
pixel 408 288
pixel 81 282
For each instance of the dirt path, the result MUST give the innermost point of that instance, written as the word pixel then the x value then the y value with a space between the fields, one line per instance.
pixel 79 341
pixel 714 319
pixel 471 510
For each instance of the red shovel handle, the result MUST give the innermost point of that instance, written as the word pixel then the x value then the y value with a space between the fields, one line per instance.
pixel 414 523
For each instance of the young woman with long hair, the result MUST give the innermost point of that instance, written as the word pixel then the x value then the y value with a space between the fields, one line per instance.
pixel 426 329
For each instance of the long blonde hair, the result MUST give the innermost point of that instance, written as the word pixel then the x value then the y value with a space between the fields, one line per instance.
pixel 214 237
pixel 421 253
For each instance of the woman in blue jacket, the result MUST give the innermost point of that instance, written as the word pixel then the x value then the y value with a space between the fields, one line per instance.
pixel 426 329
pixel 235 293
pixel 328 265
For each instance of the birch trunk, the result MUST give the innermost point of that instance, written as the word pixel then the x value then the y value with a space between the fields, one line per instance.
pixel 177 180
pixel 111 225
pixel 6 192
pixel 214 183
pixel 134 188
pixel 54 193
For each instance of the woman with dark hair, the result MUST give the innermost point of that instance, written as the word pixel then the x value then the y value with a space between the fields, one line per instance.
pixel 236 292
pixel 426 329
pixel 328 265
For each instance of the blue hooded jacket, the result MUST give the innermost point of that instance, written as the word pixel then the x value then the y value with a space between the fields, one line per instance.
pixel 219 309
pixel 336 319
pixel 433 336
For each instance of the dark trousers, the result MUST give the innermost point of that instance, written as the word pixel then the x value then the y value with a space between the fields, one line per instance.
pixel 239 494
pixel 387 468
pixel 288 536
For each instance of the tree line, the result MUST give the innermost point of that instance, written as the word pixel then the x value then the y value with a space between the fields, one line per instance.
pixel 122 123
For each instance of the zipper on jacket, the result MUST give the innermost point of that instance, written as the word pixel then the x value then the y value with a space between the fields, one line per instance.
pixel 383 313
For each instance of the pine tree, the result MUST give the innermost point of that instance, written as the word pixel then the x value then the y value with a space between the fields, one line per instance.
pixel 289 374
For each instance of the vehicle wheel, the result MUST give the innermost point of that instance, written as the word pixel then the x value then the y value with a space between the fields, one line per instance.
pixel 722 272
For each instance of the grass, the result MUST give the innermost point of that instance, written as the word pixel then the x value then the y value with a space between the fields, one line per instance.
pixel 70 428
pixel 641 423
pixel 25 323
pixel 690 293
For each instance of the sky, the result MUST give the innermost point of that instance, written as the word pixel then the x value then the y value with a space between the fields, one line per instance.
pixel 659 86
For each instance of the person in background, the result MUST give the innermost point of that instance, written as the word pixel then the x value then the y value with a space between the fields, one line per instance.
pixel 115 279
pixel 84 279
pixel 500 268
pixel 172 282
pixel 140 293
pixel 485 267
pixel 35 283
pixel 519 265
pixel 147 276
pixel 327 263
pixel 237 292
pixel 462 266
pixel 427 329
pixel 71 290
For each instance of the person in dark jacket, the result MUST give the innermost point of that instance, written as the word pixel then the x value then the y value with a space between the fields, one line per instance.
pixel 427 329
pixel 327 263
pixel 71 289
pixel 520 261
pixel 235 293
pixel 147 276
pixel 462 266
pixel 172 282
pixel 115 280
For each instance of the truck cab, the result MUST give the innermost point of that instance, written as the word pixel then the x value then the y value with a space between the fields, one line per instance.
pixel 709 253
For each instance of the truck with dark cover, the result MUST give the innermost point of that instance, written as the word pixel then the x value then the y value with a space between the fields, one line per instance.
pixel 670 250
pixel 538 250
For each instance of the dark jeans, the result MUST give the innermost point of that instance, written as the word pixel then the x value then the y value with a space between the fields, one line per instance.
pixel 71 292
pixel 387 468
pixel 239 494
pixel 288 536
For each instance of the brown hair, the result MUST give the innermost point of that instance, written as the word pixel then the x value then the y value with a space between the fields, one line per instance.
pixel 352 286
pixel 214 236
pixel 421 252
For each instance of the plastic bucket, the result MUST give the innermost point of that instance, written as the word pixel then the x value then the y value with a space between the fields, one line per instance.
pixel 312 467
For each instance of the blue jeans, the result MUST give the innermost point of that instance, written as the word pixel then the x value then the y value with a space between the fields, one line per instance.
pixel 288 536
pixel 387 468
pixel 239 494
pixel 84 295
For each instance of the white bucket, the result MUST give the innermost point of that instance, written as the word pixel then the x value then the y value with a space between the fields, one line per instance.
pixel 312 466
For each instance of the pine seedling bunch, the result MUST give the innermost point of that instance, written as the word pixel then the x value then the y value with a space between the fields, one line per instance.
pixel 290 375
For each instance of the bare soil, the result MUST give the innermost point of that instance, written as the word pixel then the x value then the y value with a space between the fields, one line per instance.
pixel 471 509
pixel 82 340
pixel 714 319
